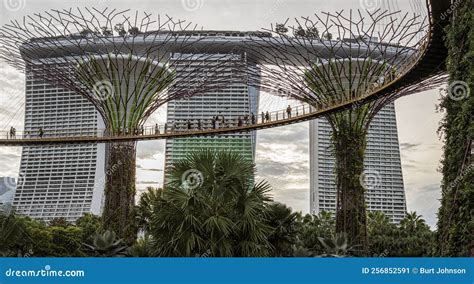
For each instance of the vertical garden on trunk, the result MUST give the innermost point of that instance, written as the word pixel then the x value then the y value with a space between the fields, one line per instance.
pixel 455 236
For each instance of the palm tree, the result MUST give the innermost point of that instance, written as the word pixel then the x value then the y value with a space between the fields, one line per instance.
pixel 142 248
pixel 333 81
pixel 414 236
pixel 381 234
pixel 412 222
pixel 211 205
pixel 144 209
pixel 284 233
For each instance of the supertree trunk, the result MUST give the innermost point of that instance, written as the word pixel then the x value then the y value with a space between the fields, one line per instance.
pixel 349 150
pixel 120 190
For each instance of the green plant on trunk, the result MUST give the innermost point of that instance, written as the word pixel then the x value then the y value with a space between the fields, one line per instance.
pixel 455 235
pixel 125 87
pixel 338 80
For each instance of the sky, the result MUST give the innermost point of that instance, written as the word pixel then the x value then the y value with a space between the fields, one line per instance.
pixel 282 153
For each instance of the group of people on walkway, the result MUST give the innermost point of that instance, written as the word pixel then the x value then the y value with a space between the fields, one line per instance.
pixel 12 133
pixel 215 122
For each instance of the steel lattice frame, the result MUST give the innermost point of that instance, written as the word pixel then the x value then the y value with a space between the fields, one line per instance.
pixel 357 55
pixel 124 64
pixel 296 64
pixel 126 75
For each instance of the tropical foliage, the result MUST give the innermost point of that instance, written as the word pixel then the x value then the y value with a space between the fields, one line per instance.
pixel 336 246
pixel 211 206
pixel 349 135
pixel 412 237
pixel 455 218
pixel 310 229
pixel 218 211
pixel 106 244
pixel 284 233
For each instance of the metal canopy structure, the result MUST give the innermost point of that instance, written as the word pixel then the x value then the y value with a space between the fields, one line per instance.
pixel 122 63
pixel 125 65
pixel 419 67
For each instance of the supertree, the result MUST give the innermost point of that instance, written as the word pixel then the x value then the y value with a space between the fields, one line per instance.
pixel 334 58
pixel 126 65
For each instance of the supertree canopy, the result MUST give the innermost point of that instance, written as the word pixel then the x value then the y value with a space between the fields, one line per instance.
pixel 331 59
pixel 126 66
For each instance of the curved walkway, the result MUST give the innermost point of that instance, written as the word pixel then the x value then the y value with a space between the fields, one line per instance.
pixel 426 64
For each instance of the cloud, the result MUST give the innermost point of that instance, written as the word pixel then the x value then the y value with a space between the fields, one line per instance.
pixel 12 79
pixel 283 160
pixel 424 200
pixel 139 167
pixel 297 133
pixel 149 149
pixel 409 146
pixel 295 197
pixel 10 164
